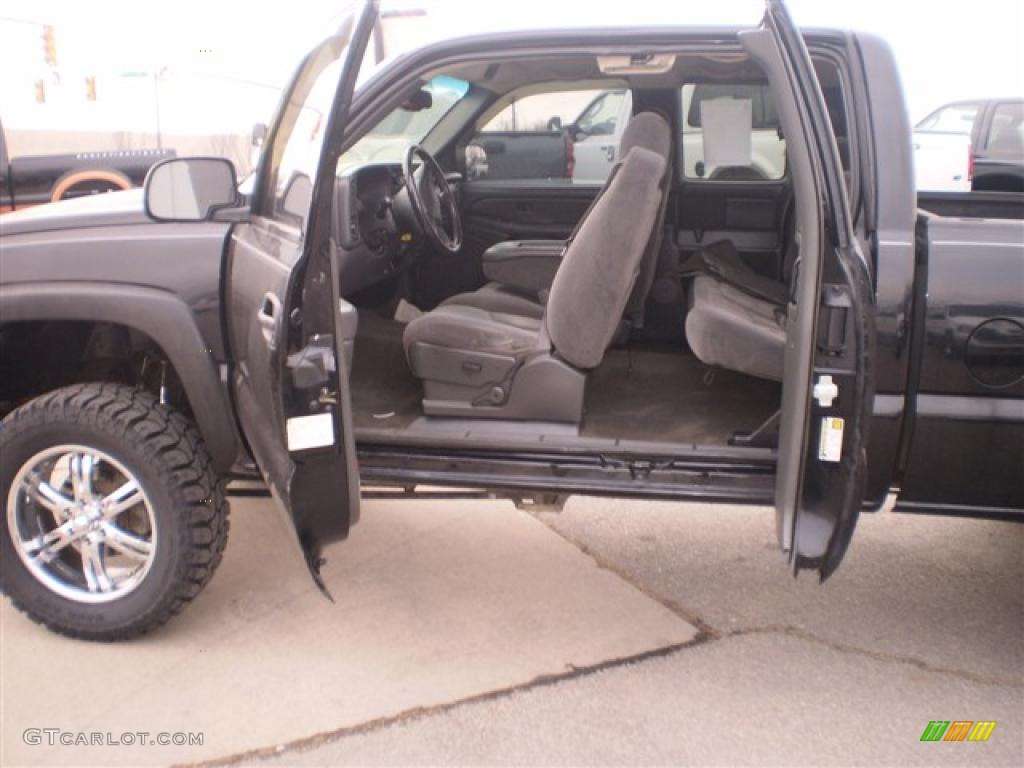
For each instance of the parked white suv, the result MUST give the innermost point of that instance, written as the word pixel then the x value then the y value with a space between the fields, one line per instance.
pixel 942 147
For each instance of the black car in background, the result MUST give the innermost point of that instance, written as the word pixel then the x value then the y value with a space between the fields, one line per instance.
pixel 29 180
pixel 997 147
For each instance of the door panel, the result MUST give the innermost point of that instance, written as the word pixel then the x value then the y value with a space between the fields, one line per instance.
pixel 287 327
pixel 967 443
pixel 827 386
pixel 752 216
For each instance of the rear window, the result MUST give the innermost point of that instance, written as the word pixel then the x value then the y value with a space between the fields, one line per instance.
pixel 731 133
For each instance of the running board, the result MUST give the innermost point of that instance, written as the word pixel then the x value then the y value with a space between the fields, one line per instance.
pixel 736 481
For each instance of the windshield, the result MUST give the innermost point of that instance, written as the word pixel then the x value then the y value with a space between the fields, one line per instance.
pixel 388 141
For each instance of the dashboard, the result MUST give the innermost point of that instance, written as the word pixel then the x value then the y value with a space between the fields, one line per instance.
pixel 371 225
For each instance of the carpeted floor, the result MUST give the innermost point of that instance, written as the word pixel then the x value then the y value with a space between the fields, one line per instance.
pixel 666 394
pixel 385 394
pixel 648 392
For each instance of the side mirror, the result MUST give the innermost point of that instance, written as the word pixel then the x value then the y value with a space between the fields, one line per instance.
pixel 555 123
pixel 259 134
pixel 476 162
pixel 190 188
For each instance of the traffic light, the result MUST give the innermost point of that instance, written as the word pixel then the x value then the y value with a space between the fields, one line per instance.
pixel 49 46
pixel 40 91
pixel 90 88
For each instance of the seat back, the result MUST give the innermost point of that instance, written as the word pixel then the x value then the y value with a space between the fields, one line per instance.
pixel 649 130
pixel 602 260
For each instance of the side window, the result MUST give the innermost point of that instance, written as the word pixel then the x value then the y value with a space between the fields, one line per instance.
pixel 1006 133
pixel 731 133
pixel 601 117
pixel 955 119
pixel 559 136
pixel 298 154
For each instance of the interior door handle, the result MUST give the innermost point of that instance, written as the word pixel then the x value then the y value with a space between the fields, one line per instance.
pixel 269 317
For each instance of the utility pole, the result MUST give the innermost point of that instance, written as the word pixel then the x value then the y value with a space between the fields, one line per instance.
pixel 49 46
pixel 157 77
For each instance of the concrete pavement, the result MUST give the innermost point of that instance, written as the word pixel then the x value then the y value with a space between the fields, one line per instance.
pixel 924 621
pixel 470 633
pixel 436 601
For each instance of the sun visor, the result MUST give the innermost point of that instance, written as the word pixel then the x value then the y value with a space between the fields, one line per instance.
pixel 637 64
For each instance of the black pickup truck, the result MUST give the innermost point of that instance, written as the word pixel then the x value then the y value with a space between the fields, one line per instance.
pixel 36 179
pixel 814 337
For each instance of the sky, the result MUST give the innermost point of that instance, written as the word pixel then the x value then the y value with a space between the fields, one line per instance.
pixel 217 65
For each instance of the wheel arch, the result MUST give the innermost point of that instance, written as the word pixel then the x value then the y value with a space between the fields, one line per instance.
pixel 71 178
pixel 159 315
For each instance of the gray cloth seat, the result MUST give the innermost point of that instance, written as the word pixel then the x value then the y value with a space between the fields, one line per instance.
pixel 499 298
pixel 729 327
pixel 481 362
pixel 476 330
pixel 737 317
pixel 521 295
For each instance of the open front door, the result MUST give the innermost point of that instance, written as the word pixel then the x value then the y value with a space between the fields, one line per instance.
pixel 287 327
pixel 828 385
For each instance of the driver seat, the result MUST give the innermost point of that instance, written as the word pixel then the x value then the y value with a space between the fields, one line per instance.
pixel 485 362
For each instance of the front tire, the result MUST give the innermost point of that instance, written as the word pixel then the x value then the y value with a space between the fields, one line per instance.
pixel 114 519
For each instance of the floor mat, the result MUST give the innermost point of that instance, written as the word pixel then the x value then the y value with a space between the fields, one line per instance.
pixel 666 394
pixel 385 394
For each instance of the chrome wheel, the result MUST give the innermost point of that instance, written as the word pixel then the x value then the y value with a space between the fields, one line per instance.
pixel 81 523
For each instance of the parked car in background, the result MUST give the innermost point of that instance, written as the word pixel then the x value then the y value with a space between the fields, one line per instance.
pixel 36 179
pixel 977 144
pixel 586 149
pixel 998 147
pixel 942 147
pixel 598 130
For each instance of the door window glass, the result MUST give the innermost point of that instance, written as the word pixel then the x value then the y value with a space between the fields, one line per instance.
pixel 564 136
pixel 601 117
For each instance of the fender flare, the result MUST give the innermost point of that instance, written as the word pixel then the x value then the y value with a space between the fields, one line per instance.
pixel 164 318
pixel 69 179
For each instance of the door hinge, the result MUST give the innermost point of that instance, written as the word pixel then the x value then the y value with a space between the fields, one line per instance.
pixel 313 365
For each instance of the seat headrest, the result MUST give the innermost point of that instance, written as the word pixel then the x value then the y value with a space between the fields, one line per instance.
pixel 648 130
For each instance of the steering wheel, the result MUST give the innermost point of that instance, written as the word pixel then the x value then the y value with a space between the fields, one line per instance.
pixel 433 202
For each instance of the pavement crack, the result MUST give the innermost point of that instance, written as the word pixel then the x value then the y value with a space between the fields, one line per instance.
pixel 895 658
pixel 418 713
pixel 712 633
pixel 684 613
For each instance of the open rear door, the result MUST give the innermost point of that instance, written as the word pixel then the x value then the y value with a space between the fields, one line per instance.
pixel 828 385
pixel 287 326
